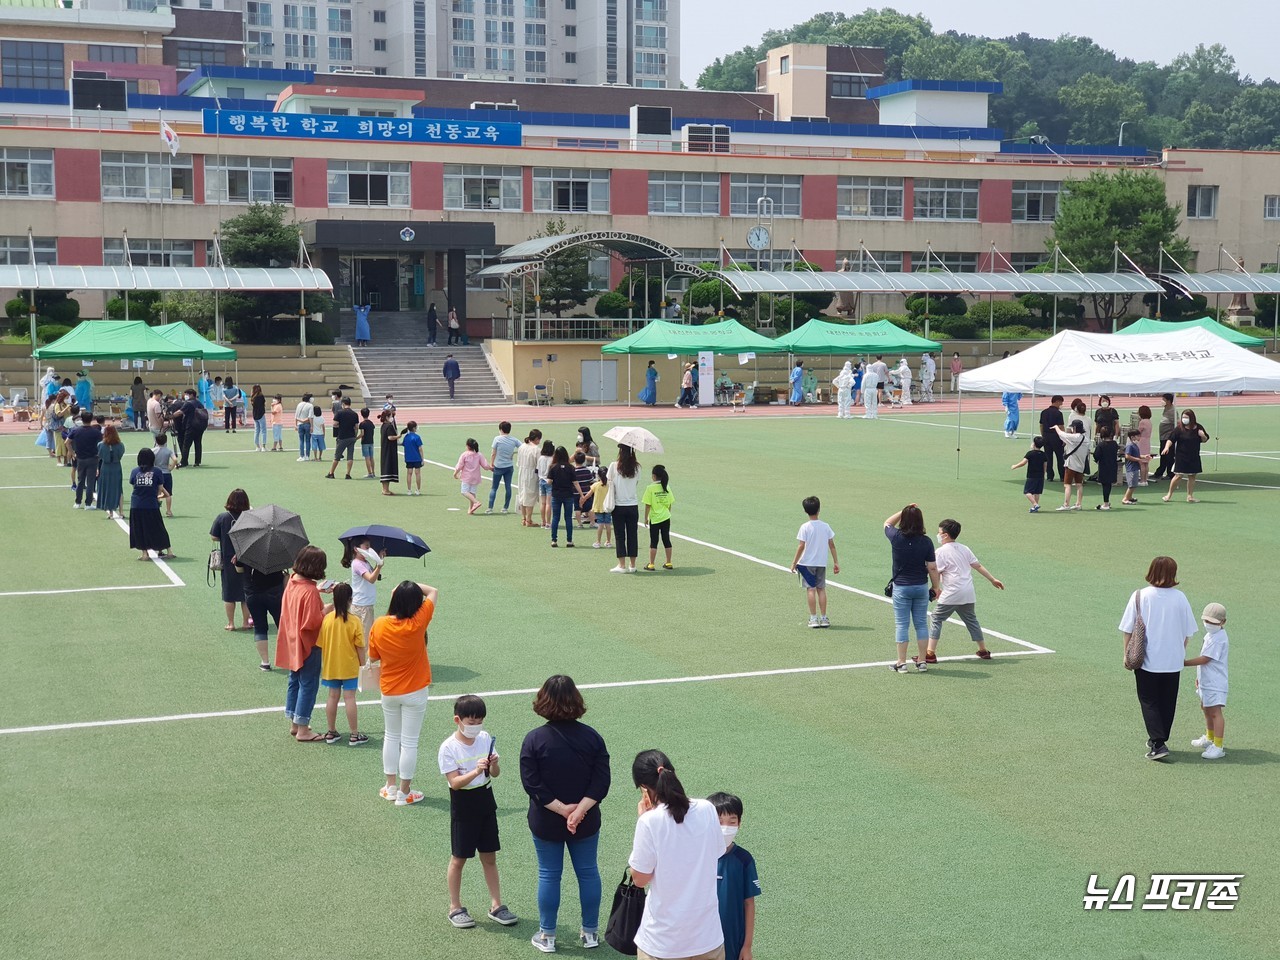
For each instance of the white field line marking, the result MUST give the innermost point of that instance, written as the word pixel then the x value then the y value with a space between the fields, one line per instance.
pixel 40 486
pixel 44 593
pixel 167 570
pixel 36 456
pixel 1227 483
pixel 523 691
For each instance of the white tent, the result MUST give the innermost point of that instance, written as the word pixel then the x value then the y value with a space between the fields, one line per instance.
pixel 1190 361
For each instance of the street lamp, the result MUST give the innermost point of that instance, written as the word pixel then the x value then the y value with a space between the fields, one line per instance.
pixel 1122 126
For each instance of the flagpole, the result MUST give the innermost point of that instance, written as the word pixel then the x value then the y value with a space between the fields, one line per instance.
pixel 167 185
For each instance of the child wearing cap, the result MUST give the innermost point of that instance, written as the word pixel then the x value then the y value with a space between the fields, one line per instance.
pixel 1211 680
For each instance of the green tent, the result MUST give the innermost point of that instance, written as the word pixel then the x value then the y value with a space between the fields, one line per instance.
pixel 665 337
pixel 196 346
pixel 1213 326
pixel 112 340
pixel 823 337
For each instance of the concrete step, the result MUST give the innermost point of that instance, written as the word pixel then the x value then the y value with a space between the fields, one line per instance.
pixel 411 371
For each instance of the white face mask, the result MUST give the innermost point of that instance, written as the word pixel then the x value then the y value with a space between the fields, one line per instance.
pixel 1186 421
pixel 729 833
pixel 940 540
pixel 472 730
pixel 1104 404
pixel 1212 627
pixel 579 438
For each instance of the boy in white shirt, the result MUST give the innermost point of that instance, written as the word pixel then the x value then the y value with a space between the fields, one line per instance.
pixel 1211 680
pixel 956 564
pixel 817 540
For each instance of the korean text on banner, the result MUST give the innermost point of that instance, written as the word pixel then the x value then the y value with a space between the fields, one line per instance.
pixel 305 126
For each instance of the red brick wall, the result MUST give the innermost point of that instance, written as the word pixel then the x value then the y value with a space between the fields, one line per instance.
pixel 80 251
pixel 818 198
pixel 629 193
pixel 426 186
pixel 77 175
pixel 310 182
pixel 995 201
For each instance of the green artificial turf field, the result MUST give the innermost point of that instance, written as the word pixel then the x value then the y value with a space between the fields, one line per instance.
pixel 955 814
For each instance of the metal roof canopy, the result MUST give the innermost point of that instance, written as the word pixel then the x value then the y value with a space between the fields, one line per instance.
pixel 50 277
pixel 629 246
pixel 804 281
pixel 1222 282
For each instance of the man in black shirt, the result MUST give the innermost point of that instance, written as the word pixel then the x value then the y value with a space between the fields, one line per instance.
pixel 84 440
pixel 1050 417
pixel 345 423
pixel 191 427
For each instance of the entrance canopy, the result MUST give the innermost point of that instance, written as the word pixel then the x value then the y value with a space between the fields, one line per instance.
pixel 1192 360
pixel 1208 323
pixel 196 346
pixel 665 337
pixel 852 281
pixel 1228 282
pixel 823 337
pixel 628 246
pixel 50 277
pixel 112 340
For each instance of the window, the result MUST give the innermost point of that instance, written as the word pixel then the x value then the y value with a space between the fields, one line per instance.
pixel 258 14
pixel 380 46
pixel 653 37
pixel 570 58
pixel 535 9
pixel 570 31
pixel 871 198
pixel 146 176
pixel 100 53
pixel 890 261
pixel 1202 203
pixel 464 31
pixel 477 260
pixel 419 38
pixel 377 113
pixel 688 194
pixel 149 253
pixel 475 187
pixel 16 251
pixel 651 10
pixel 26 173
pixel 535 34
pixel 571 4
pixel 535 61
pixel 746 188
pixel 339 20
pixel 300 18
pixel 946 199
pixel 566 190
pixel 379 16
pixel 760 259
pixel 464 58
pixel 784 64
pixel 464 6
pixel 193 54
pixel 248 180
pixel 1035 201
pixel 1271 208
pixel 340 49
pixel 652 64
pixel 258 44
pixel 955 262
pixel 36 66
pixel 845 87
pixel 368 183
pixel 1022 262
pixel 500 8
pixel 501 61
pixel 500 31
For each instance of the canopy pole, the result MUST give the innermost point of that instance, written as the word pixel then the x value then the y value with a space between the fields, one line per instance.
pixel 628 379
pixel 1217 431
pixel 35 364
pixel 991 326
pixel 1055 314
pixel 959 404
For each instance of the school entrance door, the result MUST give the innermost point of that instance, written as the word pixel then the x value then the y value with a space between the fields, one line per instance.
pixel 600 381
pixel 376 281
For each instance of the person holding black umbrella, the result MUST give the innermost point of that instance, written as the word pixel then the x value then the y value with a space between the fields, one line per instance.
pixel 265 541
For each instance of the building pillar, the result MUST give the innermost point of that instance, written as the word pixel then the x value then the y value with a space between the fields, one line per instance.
pixel 456 285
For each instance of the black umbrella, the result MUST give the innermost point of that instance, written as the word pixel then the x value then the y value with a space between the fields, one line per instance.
pixel 268 538
pixel 396 542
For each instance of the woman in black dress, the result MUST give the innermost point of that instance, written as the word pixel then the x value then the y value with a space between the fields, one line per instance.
pixel 232 579
pixel 390 452
pixel 1184 443
pixel 146 525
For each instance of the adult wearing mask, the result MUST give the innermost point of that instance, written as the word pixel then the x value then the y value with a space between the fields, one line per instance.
pixel 1170 625
pixel 258 410
pixel 232 399
pixel 1144 442
pixel 110 472
pixel 564 767
pixel 302 611
pixel 184 421
pixel 675 854
pixel 155 413
pixel 1106 416
pixel 1168 421
pixel 302 416
pixel 1075 449
pixel 502 457
pixel 649 395
pixel 84 391
pixel 1184 444
pixel 588 446
pixel 138 401
pixel 433 325
pixel 915 582
pixel 904 381
pixel 451 371
pixel 455 326
pixel 527 476
pixel 686 388
pixel 928 373
pixel 232 577
pixel 84 441
pixel 797 384
pixel 1050 419
pixel 389 458
pixel 48 383
pixel 957 368
pixel 872 380
pixel 1012 415
pixel 624 480
pixel 843 382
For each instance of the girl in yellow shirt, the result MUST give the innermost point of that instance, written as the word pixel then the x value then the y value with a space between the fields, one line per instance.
pixel 341 643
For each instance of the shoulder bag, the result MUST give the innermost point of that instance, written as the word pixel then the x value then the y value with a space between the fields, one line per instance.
pixel 624 918
pixel 370 676
pixel 1135 648
pixel 609 501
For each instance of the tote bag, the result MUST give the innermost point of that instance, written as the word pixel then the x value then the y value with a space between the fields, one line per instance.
pixel 370 676
pixel 1135 649
pixel 624 918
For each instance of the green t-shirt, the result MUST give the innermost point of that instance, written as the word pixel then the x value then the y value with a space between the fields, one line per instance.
pixel 659 502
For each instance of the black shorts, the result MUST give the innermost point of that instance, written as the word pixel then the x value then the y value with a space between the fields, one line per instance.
pixel 347 446
pixel 473 822
pixel 1034 485
pixel 660 530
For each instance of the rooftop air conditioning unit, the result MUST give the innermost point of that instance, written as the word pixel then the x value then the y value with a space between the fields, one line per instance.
pixel 705 138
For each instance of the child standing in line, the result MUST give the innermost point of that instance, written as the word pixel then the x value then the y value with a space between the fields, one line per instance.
pixel 468 470
pixel 1107 453
pixel 604 521
pixel 544 485
pixel 469 763
pixel 1211 680
pixel 737 883
pixel 341 642
pixel 817 542
pixel 1034 460
pixel 585 476
pixel 1135 463
pixel 317 432
pixel 412 459
pixel 277 423
pixel 366 443
pixel 165 458
pixel 658 501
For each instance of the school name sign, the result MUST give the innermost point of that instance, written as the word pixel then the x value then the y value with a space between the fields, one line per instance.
pixel 305 126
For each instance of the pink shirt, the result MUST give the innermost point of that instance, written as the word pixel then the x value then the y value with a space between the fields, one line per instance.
pixel 469 466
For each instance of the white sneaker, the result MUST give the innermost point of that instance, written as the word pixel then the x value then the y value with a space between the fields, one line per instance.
pixel 302 459
pixel 1201 742
pixel 813 622
pixel 589 941
pixel 1063 507
pixel 543 942
pixel 1214 752
pixel 618 569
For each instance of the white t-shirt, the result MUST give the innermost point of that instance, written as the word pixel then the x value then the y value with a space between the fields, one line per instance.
pixel 816 536
pixel 458 757
pixel 1213 675
pixel 317 425
pixel 681 911
pixel 363 593
pixel 624 488
pixel 876 374
pixel 955 567
pixel 1167 614
pixel 303 412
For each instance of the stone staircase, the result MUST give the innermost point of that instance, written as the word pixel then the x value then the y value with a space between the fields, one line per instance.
pixel 399 362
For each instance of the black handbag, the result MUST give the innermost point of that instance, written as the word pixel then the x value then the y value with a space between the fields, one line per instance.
pixel 888 588
pixel 624 918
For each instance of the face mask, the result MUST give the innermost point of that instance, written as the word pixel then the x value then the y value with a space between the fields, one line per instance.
pixel 1186 421
pixel 728 833
pixel 940 540
pixel 472 730
pixel 1211 627
pixel 1104 404
pixel 579 438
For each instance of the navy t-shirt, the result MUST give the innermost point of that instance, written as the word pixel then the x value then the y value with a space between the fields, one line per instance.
pixel 146 488
pixel 736 883
pixel 1035 463
pixel 561 477
pixel 366 431
pixel 910 554
pixel 85 440
pixel 345 422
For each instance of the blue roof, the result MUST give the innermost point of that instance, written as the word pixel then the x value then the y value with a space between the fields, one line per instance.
pixel 245 73
pixel 936 86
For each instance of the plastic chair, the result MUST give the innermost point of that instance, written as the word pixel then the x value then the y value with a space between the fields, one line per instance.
pixel 540 396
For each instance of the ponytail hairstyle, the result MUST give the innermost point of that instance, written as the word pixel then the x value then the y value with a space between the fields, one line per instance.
pixel 548 448
pixel 349 548
pixel 652 770
pixel 473 445
pixel 660 475
pixel 342 600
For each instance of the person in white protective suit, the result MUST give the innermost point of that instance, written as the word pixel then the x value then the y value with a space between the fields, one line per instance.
pixel 843 382
pixel 903 373
pixel 928 373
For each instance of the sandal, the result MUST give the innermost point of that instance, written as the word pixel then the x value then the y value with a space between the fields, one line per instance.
pixel 1165 499
pixel 984 654
pixel 314 738
pixel 1192 500
pixel 229 627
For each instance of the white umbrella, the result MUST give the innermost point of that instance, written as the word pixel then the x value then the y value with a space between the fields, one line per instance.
pixel 637 438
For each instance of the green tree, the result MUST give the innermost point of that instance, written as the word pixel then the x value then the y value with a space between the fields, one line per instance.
pixel 733 71
pixel 894 32
pixel 566 276
pixel 1253 119
pixel 1126 208
pixel 1097 106
pixel 1207 74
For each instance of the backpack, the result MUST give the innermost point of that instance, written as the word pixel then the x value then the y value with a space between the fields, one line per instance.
pixel 201 420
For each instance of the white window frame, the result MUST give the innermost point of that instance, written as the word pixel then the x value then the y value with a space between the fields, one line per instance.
pixel 1036 201
pixel 945 199
pixel 1271 207
pixel 870 198
pixel 1197 195
pixel 551 185
pixel 16 251
pixel 890 261
pixel 677 194
pixel 258 175
pixel 149 253
pixel 26 174
pixel 469 186
pixel 341 171
pixel 148 177
pixel 746 188
pixel 955 261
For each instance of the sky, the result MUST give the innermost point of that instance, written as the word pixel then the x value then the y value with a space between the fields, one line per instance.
pixel 712 28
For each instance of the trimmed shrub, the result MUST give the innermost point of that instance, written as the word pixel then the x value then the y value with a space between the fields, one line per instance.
pixel 47 332
pixel 64 312
pixel 937 305
pixel 1019 331
pixel 1006 312
pixel 16 309
pixel 612 305
pixel 953 328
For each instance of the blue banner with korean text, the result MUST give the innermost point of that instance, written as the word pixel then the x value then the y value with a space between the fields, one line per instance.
pixel 306 126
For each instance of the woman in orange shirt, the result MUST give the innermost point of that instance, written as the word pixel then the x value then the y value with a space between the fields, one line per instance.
pixel 302 611
pixel 399 641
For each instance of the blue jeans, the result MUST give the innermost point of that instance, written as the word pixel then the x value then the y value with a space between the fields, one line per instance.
pixel 558 505
pixel 304 440
pixel 300 695
pixel 582 854
pixel 260 432
pixel 501 475
pixel 910 604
